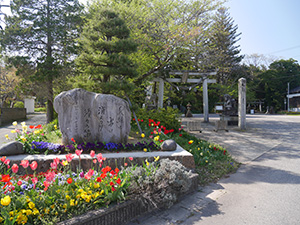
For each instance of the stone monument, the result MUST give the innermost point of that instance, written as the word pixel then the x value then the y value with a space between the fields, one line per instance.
pixel 89 117
pixel 242 103
pixel 230 111
pixel 189 112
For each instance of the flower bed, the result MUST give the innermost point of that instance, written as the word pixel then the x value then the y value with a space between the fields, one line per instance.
pixel 59 193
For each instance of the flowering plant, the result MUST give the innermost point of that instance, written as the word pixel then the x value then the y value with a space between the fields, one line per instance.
pixel 28 134
pixel 59 193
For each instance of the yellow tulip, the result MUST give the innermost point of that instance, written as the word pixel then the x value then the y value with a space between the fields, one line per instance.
pixel 13 131
pixel 15 123
pixel 156 158
pixel 6 200
pixel 142 135
pixel 147 163
pixel 145 150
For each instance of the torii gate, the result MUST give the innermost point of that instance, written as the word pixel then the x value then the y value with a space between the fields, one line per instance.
pixel 185 79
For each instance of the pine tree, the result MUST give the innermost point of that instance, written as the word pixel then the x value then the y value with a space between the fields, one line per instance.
pixel 105 46
pixel 223 51
pixel 42 33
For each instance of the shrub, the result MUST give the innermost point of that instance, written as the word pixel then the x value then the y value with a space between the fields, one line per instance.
pixel 159 183
pixel 169 117
pixel 19 105
pixel 41 109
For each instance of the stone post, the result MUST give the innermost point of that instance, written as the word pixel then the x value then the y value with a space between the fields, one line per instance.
pixel 160 93
pixel 242 103
pixel 205 101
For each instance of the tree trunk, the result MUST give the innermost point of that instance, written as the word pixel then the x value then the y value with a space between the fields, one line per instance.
pixel 50 111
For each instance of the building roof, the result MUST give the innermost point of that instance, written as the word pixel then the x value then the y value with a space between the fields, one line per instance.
pixel 295 90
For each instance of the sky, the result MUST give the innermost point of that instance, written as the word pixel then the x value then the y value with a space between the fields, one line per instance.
pixel 268 27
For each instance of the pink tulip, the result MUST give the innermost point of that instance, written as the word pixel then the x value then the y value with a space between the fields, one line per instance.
pixel 24 163
pixel 69 157
pixel 92 153
pixel 33 165
pixel 78 152
pixel 95 161
pixel 56 160
pixel 53 165
pixel 89 174
pixel 7 161
pixel 130 158
pixel 34 180
pixel 15 168
pixel 99 157
pixel 50 176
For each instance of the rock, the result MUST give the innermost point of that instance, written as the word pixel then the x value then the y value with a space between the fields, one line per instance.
pixel 169 145
pixel 89 117
pixel 12 148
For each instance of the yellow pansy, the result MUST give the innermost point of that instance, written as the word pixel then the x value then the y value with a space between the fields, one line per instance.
pixel 13 131
pixel 15 123
pixel 28 212
pixel 67 197
pixel 7 137
pixel 23 124
pixel 156 158
pixel 55 126
pixel 1 219
pixel 35 211
pixel 88 198
pixel 72 202
pixel 156 138
pixel 31 205
pixel 65 163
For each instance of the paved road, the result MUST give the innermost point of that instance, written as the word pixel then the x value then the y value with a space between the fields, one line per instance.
pixel 32 119
pixel 266 188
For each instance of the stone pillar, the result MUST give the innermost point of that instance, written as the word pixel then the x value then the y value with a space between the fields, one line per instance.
pixel 205 101
pixel 29 104
pixel 242 103
pixel 160 103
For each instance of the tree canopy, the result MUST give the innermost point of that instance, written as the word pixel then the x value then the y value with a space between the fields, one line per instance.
pixel 41 33
pixel 105 45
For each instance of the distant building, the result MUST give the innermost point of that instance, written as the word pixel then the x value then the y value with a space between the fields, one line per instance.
pixel 294 99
